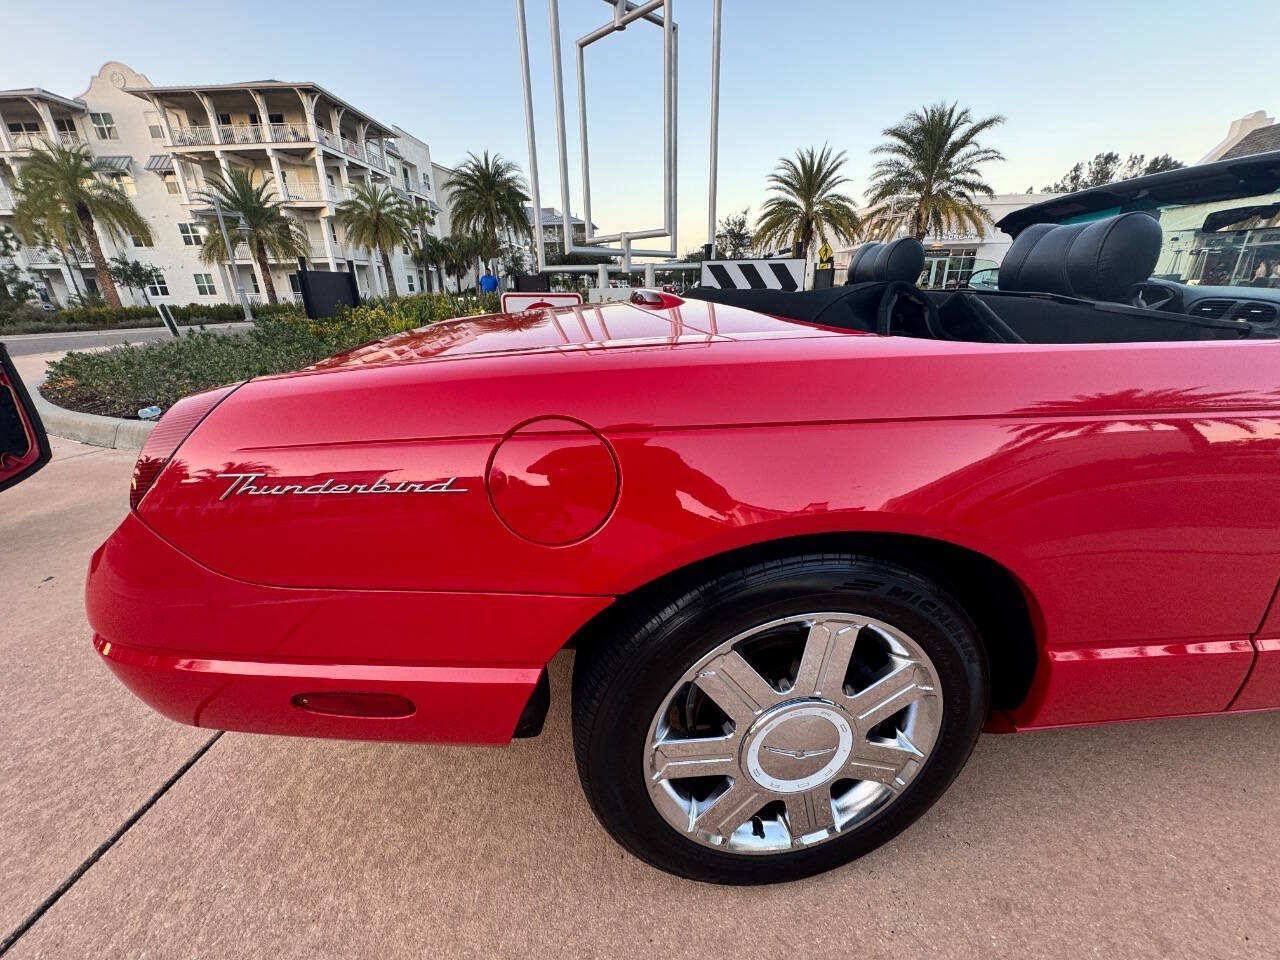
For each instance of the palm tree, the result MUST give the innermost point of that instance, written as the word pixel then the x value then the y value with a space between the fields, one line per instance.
pixel 377 218
pixel 62 199
pixel 805 202
pixel 253 214
pixel 488 195
pixel 928 175
pixel 457 259
pixel 432 253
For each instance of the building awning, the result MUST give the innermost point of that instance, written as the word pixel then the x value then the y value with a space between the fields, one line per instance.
pixel 160 163
pixel 119 164
pixel 433 206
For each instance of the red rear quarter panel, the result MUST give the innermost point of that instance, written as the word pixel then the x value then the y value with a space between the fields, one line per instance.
pixel 1130 489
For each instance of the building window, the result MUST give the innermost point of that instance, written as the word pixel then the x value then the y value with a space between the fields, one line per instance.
pixel 253 119
pixel 154 127
pixel 190 235
pixel 142 241
pixel 160 288
pixel 104 125
pixel 26 126
pixel 224 119
pixel 66 125
pixel 294 285
pixel 409 281
pixel 204 285
pixel 171 184
pixel 125 182
pixel 275 118
pixel 253 281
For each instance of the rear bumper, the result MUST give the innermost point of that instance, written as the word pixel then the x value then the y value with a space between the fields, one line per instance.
pixel 450 704
pixel 212 651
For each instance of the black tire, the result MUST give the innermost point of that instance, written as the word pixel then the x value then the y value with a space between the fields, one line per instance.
pixel 620 680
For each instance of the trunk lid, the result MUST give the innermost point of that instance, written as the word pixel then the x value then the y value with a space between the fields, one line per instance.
pixel 586 327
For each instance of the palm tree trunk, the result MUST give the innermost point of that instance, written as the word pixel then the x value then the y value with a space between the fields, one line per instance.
pixel 386 266
pixel 105 283
pixel 806 237
pixel 71 274
pixel 260 251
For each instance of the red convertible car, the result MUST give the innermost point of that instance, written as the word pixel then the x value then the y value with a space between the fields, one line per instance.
pixel 806 545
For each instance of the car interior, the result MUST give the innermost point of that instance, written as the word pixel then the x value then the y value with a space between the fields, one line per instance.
pixel 1086 282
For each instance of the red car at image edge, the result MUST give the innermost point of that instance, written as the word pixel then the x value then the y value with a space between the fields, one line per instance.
pixel 806 545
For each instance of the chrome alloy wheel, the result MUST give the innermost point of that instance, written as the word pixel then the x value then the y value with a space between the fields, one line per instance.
pixel 793 732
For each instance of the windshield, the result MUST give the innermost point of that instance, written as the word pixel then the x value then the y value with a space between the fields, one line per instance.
pixel 1225 243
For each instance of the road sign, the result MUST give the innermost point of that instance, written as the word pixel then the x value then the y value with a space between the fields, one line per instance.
pixel 777 274
pixel 825 254
pixel 520 302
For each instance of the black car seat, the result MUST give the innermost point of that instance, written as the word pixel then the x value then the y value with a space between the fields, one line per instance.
pixel 1097 260
pixel 902 260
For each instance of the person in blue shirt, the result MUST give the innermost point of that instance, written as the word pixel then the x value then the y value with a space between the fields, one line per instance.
pixel 488 283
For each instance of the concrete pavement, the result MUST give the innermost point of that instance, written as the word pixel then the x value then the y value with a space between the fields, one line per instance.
pixel 1130 841
pixel 27 343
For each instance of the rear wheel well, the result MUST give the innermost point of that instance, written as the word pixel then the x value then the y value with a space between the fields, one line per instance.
pixel 987 591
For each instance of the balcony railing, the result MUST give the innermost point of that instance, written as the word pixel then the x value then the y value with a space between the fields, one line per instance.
pixel 30 141
pixel 241 133
pixel 290 133
pixel 6 199
pixel 350 148
pixel 238 133
pixel 307 192
pixel 253 133
pixel 282 296
pixel 193 136
pixel 304 192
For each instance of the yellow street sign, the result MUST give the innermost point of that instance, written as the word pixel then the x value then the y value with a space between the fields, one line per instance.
pixel 824 252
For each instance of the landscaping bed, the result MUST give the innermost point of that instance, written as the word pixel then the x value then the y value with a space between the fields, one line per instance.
pixel 123 380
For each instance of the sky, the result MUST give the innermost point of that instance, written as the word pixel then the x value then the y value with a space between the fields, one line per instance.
pixel 1072 79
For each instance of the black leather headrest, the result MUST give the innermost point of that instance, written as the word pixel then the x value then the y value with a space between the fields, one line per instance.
pixel 1098 260
pixel 901 260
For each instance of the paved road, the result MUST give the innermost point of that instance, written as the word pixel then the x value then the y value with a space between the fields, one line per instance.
pixel 26 343
pixel 1153 840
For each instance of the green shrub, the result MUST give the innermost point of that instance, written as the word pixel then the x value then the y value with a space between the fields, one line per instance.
pixel 121 381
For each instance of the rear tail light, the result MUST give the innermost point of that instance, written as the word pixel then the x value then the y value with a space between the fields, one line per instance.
pixel 174 427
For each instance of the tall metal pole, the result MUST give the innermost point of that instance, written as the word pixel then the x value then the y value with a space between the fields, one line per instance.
pixel 231 255
pixel 715 124
pixel 539 252
pixel 558 75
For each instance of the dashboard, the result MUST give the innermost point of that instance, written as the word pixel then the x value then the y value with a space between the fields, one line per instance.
pixel 1259 306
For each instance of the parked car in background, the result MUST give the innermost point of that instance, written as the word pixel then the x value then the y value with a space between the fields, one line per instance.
pixel 24 448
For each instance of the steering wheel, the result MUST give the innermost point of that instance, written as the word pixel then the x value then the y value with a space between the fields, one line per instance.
pixel 1156 296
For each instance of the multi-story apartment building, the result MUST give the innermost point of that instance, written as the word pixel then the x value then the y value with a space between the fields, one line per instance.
pixel 161 144
pixel 553 228
pixel 29 118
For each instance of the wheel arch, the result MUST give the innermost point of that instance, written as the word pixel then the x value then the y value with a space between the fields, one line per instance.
pixel 1001 605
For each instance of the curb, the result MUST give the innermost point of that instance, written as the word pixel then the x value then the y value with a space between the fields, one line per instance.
pixel 87 428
